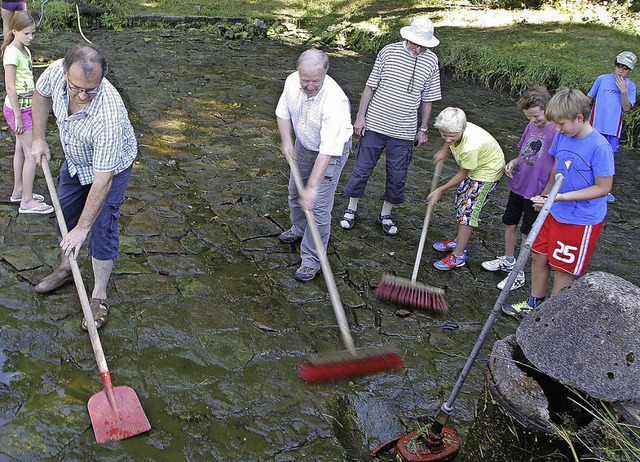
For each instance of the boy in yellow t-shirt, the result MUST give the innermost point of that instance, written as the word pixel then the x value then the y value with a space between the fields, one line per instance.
pixel 481 162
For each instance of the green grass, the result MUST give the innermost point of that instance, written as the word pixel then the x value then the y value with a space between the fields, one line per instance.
pixel 507 49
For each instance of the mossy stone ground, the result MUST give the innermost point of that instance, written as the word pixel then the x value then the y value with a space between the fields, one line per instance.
pixel 207 323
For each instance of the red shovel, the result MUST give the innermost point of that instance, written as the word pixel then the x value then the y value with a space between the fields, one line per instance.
pixel 116 412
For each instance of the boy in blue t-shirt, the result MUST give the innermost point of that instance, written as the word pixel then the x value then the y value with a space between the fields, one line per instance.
pixel 570 232
pixel 614 94
pixel 529 175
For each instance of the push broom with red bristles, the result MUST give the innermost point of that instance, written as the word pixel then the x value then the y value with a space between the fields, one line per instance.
pixel 352 362
pixel 409 292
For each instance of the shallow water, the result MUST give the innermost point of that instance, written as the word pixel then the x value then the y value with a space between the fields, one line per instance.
pixel 207 323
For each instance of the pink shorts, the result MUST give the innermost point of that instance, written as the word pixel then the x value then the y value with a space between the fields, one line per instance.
pixel 568 247
pixel 27 120
pixel 14 6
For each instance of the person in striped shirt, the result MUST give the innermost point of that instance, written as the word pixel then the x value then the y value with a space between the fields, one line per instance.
pixel 99 147
pixel 405 80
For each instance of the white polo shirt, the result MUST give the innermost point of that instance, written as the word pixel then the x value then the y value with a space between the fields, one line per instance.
pixel 322 122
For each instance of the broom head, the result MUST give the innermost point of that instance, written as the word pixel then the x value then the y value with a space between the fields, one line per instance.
pixel 344 365
pixel 414 294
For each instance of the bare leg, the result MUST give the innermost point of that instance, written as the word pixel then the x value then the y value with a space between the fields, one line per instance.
pixel 540 274
pixel 561 280
pixel 462 239
pixel 510 238
pixel 101 274
pixel 6 22
pixel 28 170
pixel 18 165
pixel 64 263
pixel 61 275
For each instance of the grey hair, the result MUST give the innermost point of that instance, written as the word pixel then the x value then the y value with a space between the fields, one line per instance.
pixel 452 120
pixel 314 56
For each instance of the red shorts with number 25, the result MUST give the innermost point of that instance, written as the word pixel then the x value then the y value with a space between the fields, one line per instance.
pixel 568 247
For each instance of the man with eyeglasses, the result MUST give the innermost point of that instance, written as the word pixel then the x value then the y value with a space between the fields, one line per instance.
pixel 405 80
pixel 100 147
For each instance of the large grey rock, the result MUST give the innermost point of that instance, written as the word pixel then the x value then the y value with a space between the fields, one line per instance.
pixel 519 389
pixel 588 337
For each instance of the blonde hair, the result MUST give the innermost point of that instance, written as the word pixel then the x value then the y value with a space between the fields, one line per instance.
pixel 566 104
pixel 452 120
pixel 20 21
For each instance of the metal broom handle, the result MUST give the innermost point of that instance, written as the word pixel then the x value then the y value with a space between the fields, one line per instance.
pixel 443 414
pixel 427 217
pixel 326 268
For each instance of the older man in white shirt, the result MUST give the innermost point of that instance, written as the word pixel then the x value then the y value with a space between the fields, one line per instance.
pixel 315 109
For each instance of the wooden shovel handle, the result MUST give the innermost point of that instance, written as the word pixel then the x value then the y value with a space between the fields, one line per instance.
pixel 77 276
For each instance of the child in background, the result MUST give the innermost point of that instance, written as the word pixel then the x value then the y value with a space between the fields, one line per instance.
pixel 614 95
pixel 530 175
pixel 481 162
pixel 19 83
pixel 9 7
pixel 571 230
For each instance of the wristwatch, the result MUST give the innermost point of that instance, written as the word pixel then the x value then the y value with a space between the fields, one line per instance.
pixel 423 130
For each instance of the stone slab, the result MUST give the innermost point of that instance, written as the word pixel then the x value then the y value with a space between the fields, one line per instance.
pixel 587 337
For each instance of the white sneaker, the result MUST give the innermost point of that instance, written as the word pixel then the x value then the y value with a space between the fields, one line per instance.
pixel 519 282
pixel 499 264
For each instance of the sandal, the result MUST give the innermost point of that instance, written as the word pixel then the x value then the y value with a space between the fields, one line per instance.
pixel 100 310
pixel 36 197
pixel 389 227
pixel 345 221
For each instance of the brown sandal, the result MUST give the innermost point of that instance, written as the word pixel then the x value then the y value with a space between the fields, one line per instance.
pixel 100 310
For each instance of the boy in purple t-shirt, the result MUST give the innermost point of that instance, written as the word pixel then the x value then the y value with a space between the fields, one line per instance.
pixel 530 175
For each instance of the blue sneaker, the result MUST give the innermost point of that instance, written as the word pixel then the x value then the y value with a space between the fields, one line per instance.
pixel 451 261
pixel 445 246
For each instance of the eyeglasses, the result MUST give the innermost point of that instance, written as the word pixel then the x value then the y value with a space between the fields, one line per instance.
pixel 88 91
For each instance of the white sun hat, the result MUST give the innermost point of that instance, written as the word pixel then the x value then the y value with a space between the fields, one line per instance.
pixel 420 32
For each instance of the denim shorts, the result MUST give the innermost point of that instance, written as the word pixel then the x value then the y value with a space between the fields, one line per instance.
pixel 104 239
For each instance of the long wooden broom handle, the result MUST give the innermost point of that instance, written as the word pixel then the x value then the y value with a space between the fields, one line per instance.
pixel 338 309
pixel 427 217
pixel 77 276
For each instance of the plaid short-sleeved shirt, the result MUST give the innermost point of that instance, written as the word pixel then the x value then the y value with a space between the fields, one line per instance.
pixel 100 137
